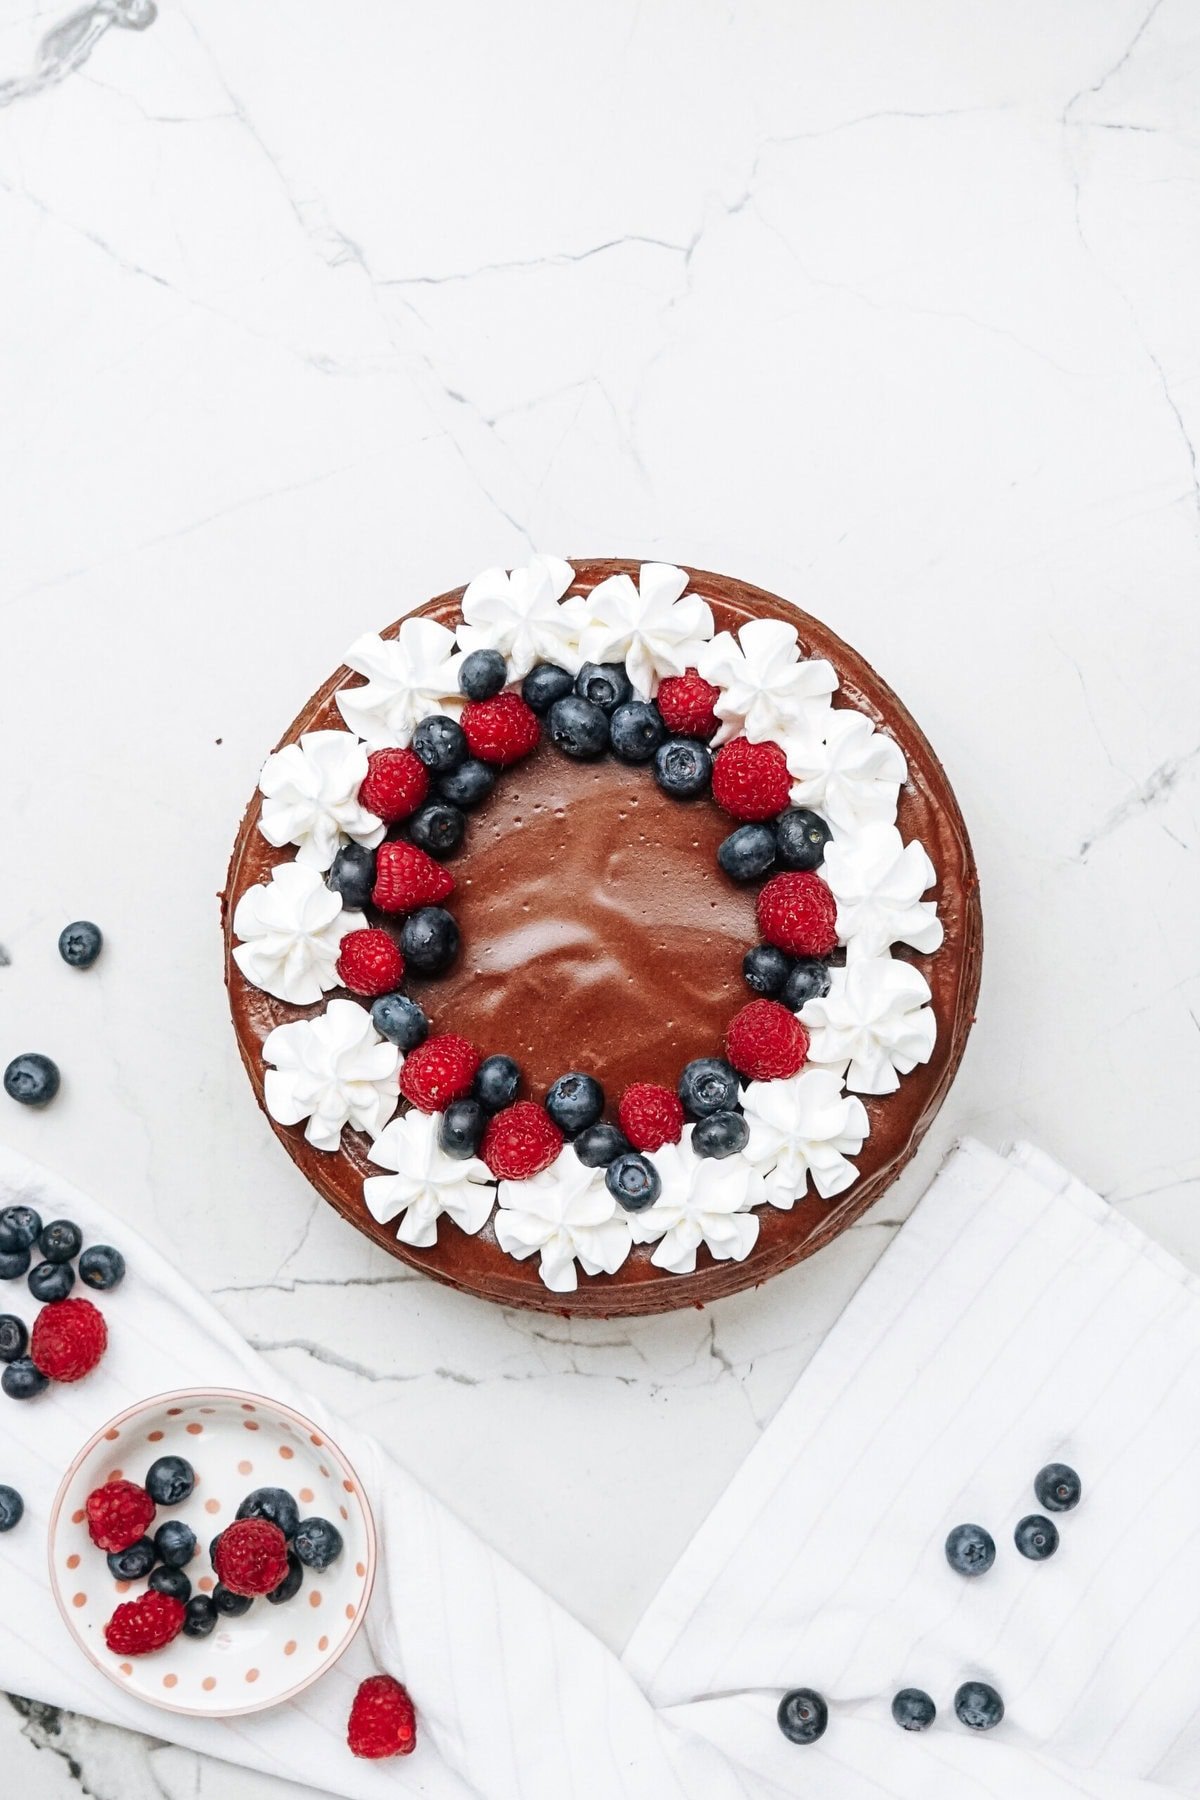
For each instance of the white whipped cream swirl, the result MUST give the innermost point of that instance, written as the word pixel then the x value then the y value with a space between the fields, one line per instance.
pixel 310 797
pixel 803 1126
pixel 874 1025
pixel 877 880
pixel 291 929
pixel 704 1200
pixel 426 1182
pixel 408 677
pixel 333 1070
pixel 653 626
pixel 568 1215
pixel 851 774
pixel 768 691
pixel 521 613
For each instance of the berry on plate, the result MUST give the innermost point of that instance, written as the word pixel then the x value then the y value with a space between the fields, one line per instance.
pixel 175 1543
pixel 251 1556
pixel 686 703
pixel 11 1507
pixel 317 1543
pixel 133 1563
pixel 797 913
pixel 802 1716
pixel 520 1141
pixel 383 1720
pixel 145 1624
pixel 501 730
pixel 171 1581
pixel 751 781
pixel 369 963
pixel 273 1503
pixel 80 943
pixel 395 784
pixel 291 1584
pixel 199 1616
pixel 118 1514
pixel 68 1339
pixel 765 1042
pixel 438 1071
pixel 650 1115
pixel 231 1604
pixel 407 877
pixel 32 1079
pixel 101 1267
pixel 169 1480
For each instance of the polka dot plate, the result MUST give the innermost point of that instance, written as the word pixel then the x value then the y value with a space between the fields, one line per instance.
pixel 235 1442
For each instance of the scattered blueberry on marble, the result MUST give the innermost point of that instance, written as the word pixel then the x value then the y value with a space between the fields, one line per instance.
pixel 467 785
pixel 720 1134
pixel 970 1550
pixel 437 828
pixel 747 852
pixel 231 1604
pixel 400 1020
pixel 913 1710
pixel 461 1130
pixel 1058 1487
pixel 809 979
pixel 497 1083
pixel 19 1228
pixel 802 1715
pixel 199 1616
pixel 978 1705
pixel 23 1380
pixel 429 939
pixel 175 1543
pixel 14 1264
pixel 578 728
pixel 101 1267
pixel 682 768
pixel 271 1503
pixel 32 1079
pixel 801 838
pixel 60 1241
pixel 599 1145
pixel 290 1586
pixel 11 1507
pixel 440 742
pixel 1036 1537
pixel 134 1562
pixel 49 1281
pixel 765 969
pixel 80 944
pixel 317 1543
pixel 636 730
pixel 14 1337
pixel 574 1102
pixel 174 1582
pixel 170 1480
pixel 605 685
pixel 633 1181
pixel 353 876
pixel 482 673
pixel 707 1085
pixel 544 684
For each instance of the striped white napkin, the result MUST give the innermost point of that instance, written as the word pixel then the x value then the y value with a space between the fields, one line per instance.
pixel 1015 1320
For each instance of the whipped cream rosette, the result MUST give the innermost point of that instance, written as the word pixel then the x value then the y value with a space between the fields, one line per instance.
pixel 522 614
pixel 310 797
pixel 800 1127
pixel 654 625
pixel 425 1183
pixel 334 1070
pixel 874 1025
pixel 567 1216
pixel 291 929
pixel 703 1201
pixel 408 677
pixel 769 691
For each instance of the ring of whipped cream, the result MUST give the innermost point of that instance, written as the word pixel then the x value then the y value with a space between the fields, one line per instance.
pixel 873 1026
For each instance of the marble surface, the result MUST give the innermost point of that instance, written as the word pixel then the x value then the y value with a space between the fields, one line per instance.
pixel 311 311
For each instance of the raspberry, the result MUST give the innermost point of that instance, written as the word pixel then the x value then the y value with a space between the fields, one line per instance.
pixel 405 878
pixel 650 1116
pixel 395 784
pixel 383 1720
pixel 520 1141
pixel 118 1514
pixel 370 963
pixel 438 1071
pixel 765 1042
pixel 250 1556
pixel 686 703
pixel 145 1624
pixel 751 781
pixel 797 913
pixel 69 1338
pixel 501 730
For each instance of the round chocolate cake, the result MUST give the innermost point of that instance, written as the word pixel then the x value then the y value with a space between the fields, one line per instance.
pixel 581 821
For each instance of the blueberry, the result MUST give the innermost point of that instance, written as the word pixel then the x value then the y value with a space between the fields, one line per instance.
pixel 272 1503
pixel 1036 1537
pixel 636 730
pixel 23 1380
pixel 289 1587
pixel 440 743
pixel 606 685
pixel 913 1710
pixel 14 1338
pixel 497 1083
pixel 400 1020
pixel 318 1543
pixel 13 1264
pixel 633 1181
pixel 101 1267
pixel 578 728
pixel 720 1134
pixel 1058 1487
pixel 50 1281
pixel 199 1616
pixel 809 980
pixel 467 785
pixel 80 944
pixel 682 768
pixel 134 1562
pixel 437 828
pixel 544 684
pixel 173 1582
pixel 765 969
pixel 169 1480
pixel 429 939
pixel 461 1129
pixel 353 876
pixel 31 1079
pixel 970 1550
pixel 706 1086
pixel 802 1716
pixel 801 837
pixel 212 1549
pixel 19 1228
pixel 175 1543
pixel 60 1241
pixel 747 852
pixel 978 1705
pixel 482 673
pixel 574 1102
pixel 231 1604
pixel 11 1507
pixel 598 1145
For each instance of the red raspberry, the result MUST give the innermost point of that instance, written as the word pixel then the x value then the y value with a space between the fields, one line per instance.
pixel 438 1071
pixel 145 1624
pixel 797 913
pixel 250 1556
pixel 406 878
pixel 751 781
pixel 69 1337
pixel 383 1720
pixel 395 784
pixel 520 1141
pixel 686 703
pixel 118 1514
pixel 765 1042
pixel 370 963
pixel 500 730
pixel 650 1116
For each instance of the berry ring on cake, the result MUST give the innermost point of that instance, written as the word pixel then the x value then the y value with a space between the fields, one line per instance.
pixel 602 938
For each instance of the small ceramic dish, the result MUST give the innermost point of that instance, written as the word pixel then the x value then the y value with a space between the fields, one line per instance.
pixel 235 1442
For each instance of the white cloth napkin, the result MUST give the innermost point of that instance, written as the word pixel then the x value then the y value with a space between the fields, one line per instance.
pixel 1015 1320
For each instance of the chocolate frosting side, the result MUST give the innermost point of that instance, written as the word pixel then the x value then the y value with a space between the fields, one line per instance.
pixel 599 933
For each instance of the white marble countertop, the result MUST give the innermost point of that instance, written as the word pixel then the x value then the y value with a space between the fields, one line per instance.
pixel 312 311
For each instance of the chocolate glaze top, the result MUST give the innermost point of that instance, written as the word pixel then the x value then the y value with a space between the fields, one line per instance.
pixel 599 933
